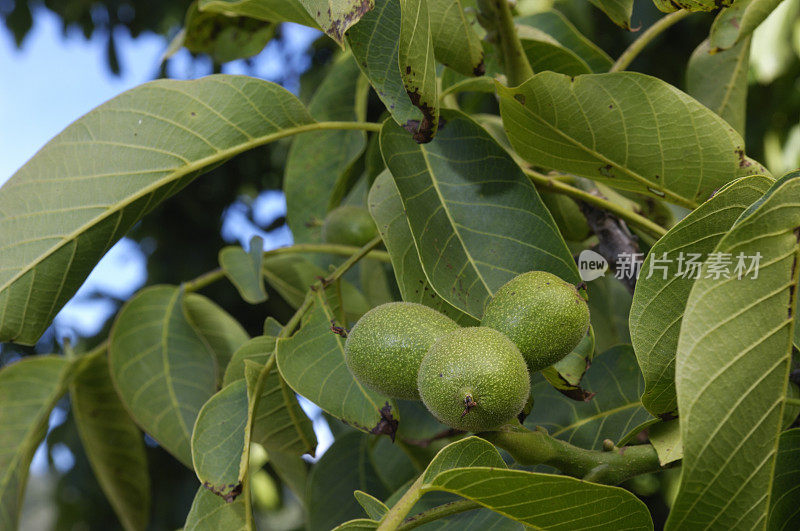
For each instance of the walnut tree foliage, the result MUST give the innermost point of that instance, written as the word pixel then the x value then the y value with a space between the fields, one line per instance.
pixel 481 137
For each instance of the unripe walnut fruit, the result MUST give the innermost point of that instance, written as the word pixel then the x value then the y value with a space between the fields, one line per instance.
pixel 386 346
pixel 349 225
pixel 474 379
pixel 543 315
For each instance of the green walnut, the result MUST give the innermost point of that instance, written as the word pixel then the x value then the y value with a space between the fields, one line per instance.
pixel 568 216
pixel 474 379
pixel 386 346
pixel 543 315
pixel 349 225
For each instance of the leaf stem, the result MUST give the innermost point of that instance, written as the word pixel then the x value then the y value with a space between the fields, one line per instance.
pixel 442 511
pixel 645 38
pixel 214 275
pixel 394 518
pixel 515 63
pixel 320 284
pixel 612 467
pixel 328 248
pixel 792 401
pixel 551 184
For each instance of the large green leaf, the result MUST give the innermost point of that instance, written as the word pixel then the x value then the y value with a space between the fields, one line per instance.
pixel 736 23
pixel 785 495
pixel 719 81
pixel 455 43
pixel 617 10
pixel 113 443
pixel 545 501
pixel 221 333
pixel 312 363
pixel 732 368
pixel 625 129
pixel 562 30
pixel 97 178
pixel 243 269
pixel 476 219
pixel 336 16
pixel 610 414
pixel 317 159
pixel 161 367
pixel 375 42
pixel 418 68
pixel 219 441
pixel 387 209
pixel 269 10
pixel 344 468
pixel 29 389
pixel 211 513
pixel 660 298
pixel 472 468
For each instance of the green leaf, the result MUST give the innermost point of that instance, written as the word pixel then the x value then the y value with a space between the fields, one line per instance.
pixel 269 10
pixel 418 68
pixel 344 468
pixel 292 275
pixel 546 53
pixel 272 327
pixel 279 424
pixel 312 363
pixel 113 443
pixel 243 269
pixel 317 159
pixel 219 441
pixel 562 30
pixel 223 36
pixel 221 333
pixel 732 368
pixel 734 24
pixel 474 231
pixel 375 42
pixel 335 17
pixel 110 168
pixel 545 501
pixel 162 369
pixel 374 508
pixel 455 43
pixel 660 299
pixel 719 81
pixel 387 210
pixel 625 129
pixel 783 513
pixel 618 11
pixel 209 512
pixel 468 452
pixel 566 374
pixel 609 307
pixel 610 414
pixel 668 6
pixel 257 349
pixel 394 465
pixel 666 439
pixel 29 389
